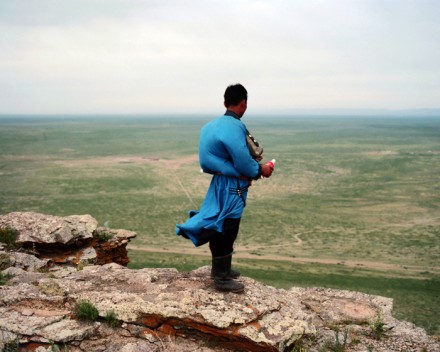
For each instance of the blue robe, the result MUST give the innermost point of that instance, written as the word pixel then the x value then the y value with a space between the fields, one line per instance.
pixel 223 152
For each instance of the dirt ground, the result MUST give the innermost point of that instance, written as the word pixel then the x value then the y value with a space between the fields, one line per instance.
pixel 243 253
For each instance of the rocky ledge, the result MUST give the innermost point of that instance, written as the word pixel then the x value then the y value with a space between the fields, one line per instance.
pixel 72 240
pixel 42 309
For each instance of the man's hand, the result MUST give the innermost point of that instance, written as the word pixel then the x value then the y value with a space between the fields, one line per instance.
pixel 266 170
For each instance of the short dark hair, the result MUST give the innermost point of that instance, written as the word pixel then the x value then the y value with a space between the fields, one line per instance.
pixel 234 94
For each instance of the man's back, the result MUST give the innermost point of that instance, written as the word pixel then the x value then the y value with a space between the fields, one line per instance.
pixel 223 149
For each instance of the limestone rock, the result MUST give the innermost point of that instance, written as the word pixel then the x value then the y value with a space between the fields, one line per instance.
pixel 166 310
pixel 42 228
pixel 70 240
pixel 27 261
pixel 119 234
pixel 113 250
pixel 163 309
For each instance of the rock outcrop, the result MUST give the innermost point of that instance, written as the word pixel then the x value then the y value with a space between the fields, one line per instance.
pixel 165 310
pixel 70 240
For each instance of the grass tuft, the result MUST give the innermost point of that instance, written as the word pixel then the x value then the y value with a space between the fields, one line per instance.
pixel 4 278
pixel 85 310
pixel 112 319
pixel 102 236
pixel 5 261
pixel 337 345
pixel 8 236
pixel 378 328
pixel 11 346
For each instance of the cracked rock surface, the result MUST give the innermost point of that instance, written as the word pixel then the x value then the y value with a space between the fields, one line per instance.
pixel 69 240
pixel 167 310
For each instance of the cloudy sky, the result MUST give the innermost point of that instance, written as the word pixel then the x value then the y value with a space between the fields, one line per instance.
pixel 148 56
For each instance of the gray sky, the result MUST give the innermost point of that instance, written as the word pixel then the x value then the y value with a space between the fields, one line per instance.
pixel 140 56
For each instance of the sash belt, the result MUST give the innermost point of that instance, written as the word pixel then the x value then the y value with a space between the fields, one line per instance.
pixel 239 191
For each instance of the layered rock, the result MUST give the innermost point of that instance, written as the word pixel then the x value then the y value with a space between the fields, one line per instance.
pixel 113 249
pixel 70 240
pixel 43 229
pixel 166 310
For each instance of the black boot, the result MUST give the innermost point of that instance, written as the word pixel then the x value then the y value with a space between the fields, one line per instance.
pixel 221 267
pixel 233 274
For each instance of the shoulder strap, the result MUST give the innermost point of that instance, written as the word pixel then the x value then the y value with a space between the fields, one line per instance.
pixel 252 138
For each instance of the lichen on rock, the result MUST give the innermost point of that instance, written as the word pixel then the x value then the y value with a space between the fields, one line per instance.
pixel 167 310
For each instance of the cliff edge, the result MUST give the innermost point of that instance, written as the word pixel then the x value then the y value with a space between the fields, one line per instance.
pixel 65 287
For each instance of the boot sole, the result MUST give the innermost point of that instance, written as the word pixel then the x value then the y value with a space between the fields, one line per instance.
pixel 224 288
pixel 229 277
pixel 232 291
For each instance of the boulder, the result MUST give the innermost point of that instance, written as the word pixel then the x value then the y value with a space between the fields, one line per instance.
pixel 70 240
pixel 48 229
pixel 26 261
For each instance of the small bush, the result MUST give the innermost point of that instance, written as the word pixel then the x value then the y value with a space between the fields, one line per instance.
pixel 85 310
pixel 378 328
pixel 4 278
pixel 102 236
pixel 111 318
pixel 55 348
pixel 50 288
pixel 81 265
pixel 8 236
pixel 337 345
pixel 11 346
pixel 5 261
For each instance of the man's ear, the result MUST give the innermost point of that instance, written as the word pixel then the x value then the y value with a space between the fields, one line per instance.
pixel 224 103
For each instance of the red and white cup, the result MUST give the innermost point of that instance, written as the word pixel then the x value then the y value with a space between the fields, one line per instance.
pixel 271 163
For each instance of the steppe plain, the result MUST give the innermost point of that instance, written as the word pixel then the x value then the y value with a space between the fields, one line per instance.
pixel 353 203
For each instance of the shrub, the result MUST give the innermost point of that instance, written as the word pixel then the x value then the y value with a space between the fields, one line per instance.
pixel 50 288
pixel 102 236
pixel 4 278
pixel 55 348
pixel 11 346
pixel 8 236
pixel 337 345
pixel 81 265
pixel 111 318
pixel 5 261
pixel 378 328
pixel 85 310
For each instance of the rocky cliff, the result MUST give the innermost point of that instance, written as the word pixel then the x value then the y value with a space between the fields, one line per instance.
pixel 65 287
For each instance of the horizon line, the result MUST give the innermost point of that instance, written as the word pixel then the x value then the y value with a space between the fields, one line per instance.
pixel 274 112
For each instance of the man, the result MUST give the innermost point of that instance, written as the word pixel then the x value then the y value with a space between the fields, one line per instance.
pixel 223 152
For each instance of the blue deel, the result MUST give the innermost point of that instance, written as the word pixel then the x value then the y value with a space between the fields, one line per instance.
pixel 223 152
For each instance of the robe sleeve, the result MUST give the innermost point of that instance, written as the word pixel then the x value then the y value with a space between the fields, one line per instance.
pixel 235 143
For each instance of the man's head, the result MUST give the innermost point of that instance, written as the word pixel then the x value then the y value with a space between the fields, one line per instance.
pixel 236 99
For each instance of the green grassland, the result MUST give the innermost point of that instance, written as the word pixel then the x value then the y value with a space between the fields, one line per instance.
pixel 362 190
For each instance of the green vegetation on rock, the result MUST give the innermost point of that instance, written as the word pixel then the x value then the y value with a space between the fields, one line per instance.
pixel 85 310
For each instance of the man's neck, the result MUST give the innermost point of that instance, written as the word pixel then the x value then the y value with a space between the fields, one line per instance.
pixel 233 114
